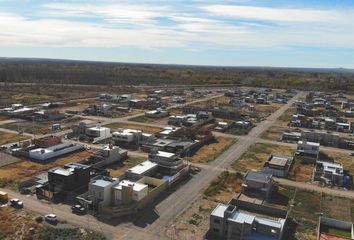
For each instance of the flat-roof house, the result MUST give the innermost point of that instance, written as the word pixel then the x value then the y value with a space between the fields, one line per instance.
pixel 278 165
pixel 258 183
pixel 307 152
pixel 98 133
pixel 246 221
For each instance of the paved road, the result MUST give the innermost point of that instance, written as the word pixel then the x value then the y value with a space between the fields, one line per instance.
pixel 177 202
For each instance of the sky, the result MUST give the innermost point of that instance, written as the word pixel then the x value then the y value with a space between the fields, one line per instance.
pixel 282 33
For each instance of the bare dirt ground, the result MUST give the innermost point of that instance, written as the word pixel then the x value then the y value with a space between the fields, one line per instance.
pixel 301 172
pixel 15 224
pixel 6 137
pixel 192 223
pixel 209 152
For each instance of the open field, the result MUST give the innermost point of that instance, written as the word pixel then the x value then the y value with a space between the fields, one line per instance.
pixel 30 127
pixel 16 224
pixel 142 119
pixel 4 117
pixel 209 152
pixel 118 169
pixel 224 187
pixel 287 116
pixel 26 98
pixel 193 223
pixel 258 154
pixel 24 170
pixel 238 131
pixel 9 137
pixel 264 110
pixel 146 129
pixel 274 133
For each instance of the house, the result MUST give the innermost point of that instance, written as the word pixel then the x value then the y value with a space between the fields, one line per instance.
pixel 101 110
pixel 158 113
pixel 221 126
pixel 107 155
pixel 131 137
pixel 114 197
pixel 146 168
pixel 170 163
pixel 333 229
pixel 291 136
pixel 278 166
pixel 329 173
pixel 98 133
pixel 100 189
pixel 243 124
pixel 258 183
pixel 307 152
pixel 176 120
pixel 65 181
pixel 45 154
pixel 244 220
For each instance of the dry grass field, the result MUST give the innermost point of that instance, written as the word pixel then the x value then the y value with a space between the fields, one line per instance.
pixel 258 154
pixel 15 224
pixel 209 152
pixel 26 169
pixel 6 137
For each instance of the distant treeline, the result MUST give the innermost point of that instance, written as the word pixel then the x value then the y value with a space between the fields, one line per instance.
pixel 98 73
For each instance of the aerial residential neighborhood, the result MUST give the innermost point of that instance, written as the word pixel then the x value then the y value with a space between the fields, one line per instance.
pixel 176 120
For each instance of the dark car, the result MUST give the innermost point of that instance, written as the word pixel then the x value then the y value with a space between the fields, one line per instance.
pixel 16 203
pixel 78 209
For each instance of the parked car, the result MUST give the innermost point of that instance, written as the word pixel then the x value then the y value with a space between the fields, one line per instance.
pixel 16 203
pixel 78 209
pixel 51 218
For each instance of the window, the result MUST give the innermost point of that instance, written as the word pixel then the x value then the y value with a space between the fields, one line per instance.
pixel 216 230
pixel 217 221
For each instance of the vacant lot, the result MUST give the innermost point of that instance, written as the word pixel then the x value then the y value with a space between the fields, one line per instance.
pixel 142 119
pixel 301 172
pixel 118 169
pixel 258 154
pixel 287 115
pixel 15 224
pixel 224 187
pixel 308 206
pixel 6 137
pixel 146 129
pixel 209 152
pixel 193 223
pixel 26 98
pixel 24 170
pixel 29 127
pixel 274 133
pixel 264 110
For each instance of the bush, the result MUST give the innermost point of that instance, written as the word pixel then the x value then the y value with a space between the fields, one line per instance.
pixel 39 219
